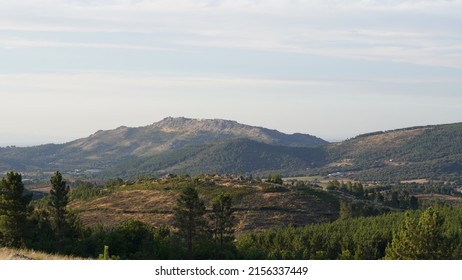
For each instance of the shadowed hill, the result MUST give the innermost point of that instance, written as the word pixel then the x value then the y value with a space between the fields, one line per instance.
pixel 227 157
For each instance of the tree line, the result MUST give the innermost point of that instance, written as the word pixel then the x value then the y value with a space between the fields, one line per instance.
pixel 431 233
pixel 51 227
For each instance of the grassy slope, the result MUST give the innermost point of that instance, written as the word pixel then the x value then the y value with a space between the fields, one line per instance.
pixel 258 205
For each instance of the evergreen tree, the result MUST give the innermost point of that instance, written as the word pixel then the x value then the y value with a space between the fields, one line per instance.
pixel 189 217
pixel 58 202
pixel 420 240
pixel 222 221
pixel 42 237
pixel 14 210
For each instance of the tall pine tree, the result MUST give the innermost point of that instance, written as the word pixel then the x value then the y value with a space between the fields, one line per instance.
pixel 189 218
pixel 58 202
pixel 222 221
pixel 14 210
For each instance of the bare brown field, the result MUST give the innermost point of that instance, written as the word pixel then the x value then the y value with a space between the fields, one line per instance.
pixel 151 206
pixel 342 163
pixel 417 181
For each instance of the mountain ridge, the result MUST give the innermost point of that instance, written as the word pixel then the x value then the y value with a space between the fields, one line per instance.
pixel 105 148
pixel 182 145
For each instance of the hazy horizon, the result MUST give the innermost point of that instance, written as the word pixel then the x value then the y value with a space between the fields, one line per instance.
pixel 333 70
pixel 25 143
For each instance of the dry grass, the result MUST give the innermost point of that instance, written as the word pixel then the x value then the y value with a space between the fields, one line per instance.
pixel 256 209
pixel 393 139
pixel 417 181
pixel 341 163
pixel 151 206
pixel 22 254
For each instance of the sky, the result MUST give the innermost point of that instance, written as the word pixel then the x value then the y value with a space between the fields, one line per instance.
pixel 330 68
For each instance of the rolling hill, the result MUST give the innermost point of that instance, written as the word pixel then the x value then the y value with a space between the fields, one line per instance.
pixel 257 205
pixel 429 152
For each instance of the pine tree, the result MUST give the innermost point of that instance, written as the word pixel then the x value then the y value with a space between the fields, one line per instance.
pixel 222 221
pixel 14 210
pixel 58 202
pixel 420 240
pixel 189 217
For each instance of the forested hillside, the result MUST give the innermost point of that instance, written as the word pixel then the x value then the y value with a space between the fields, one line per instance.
pixel 431 152
pixel 241 156
pixel 425 234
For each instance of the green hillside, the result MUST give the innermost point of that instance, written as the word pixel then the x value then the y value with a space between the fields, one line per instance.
pixel 241 156
pixel 431 152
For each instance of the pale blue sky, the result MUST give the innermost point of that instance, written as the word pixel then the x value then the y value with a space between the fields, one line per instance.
pixel 333 69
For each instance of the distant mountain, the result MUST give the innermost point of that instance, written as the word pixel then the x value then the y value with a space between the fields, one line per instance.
pixel 105 149
pixel 181 145
pixel 426 152
pixel 173 133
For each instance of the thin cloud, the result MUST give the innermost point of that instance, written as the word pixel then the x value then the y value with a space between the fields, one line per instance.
pixel 24 43
pixel 411 31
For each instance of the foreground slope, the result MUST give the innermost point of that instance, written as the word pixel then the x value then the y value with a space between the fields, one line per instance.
pixel 258 205
pixel 24 254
